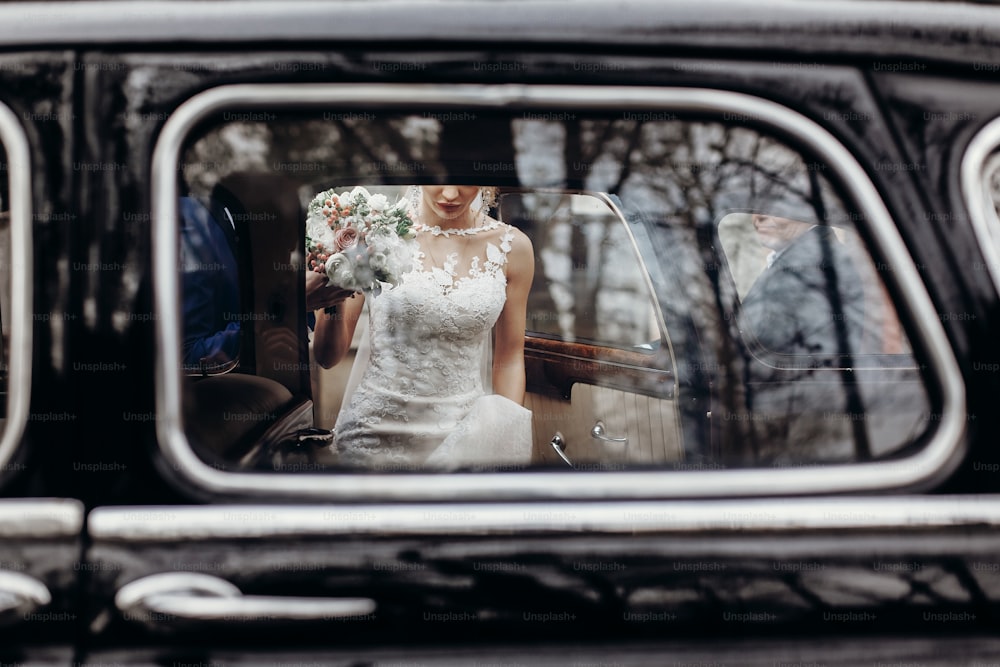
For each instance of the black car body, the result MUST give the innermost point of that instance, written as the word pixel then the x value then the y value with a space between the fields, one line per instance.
pixel 124 542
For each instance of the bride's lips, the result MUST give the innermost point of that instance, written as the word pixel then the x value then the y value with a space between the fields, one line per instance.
pixel 449 209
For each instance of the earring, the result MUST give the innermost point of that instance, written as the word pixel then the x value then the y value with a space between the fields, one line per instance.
pixel 489 197
pixel 414 196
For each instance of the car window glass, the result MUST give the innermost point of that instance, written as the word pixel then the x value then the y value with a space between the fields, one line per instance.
pixel 5 265
pixel 703 296
pixel 991 172
pixel 590 283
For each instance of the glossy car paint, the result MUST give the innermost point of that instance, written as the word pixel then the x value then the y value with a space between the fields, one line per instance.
pixel 903 86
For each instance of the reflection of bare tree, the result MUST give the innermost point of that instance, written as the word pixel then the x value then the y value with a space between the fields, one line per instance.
pixel 588 285
pixel 685 176
pixel 340 149
pixel 681 177
pixel 228 149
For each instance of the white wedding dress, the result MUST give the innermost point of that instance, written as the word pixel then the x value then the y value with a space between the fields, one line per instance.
pixel 422 395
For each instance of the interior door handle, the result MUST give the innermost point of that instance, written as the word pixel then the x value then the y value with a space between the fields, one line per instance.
pixel 559 444
pixel 599 433
pixel 193 596
pixel 20 595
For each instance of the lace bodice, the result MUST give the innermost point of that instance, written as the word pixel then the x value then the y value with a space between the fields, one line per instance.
pixel 481 292
pixel 428 338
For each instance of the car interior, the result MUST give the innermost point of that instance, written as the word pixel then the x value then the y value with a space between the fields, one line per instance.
pixel 638 347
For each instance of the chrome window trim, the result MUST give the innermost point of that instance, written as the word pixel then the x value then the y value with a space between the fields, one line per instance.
pixel 15 143
pixel 40 518
pixel 177 524
pixel 982 215
pixel 388 21
pixel 935 460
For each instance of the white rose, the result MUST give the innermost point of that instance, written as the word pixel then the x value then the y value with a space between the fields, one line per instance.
pixel 364 276
pixel 319 231
pixel 351 269
pixel 399 260
pixel 340 271
pixel 379 236
pixel 378 203
pixel 359 191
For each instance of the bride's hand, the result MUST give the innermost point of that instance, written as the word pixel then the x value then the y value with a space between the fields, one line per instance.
pixel 318 295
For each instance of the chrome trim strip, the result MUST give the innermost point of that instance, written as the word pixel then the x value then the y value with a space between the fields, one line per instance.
pixel 41 518
pixel 176 524
pixel 936 459
pixel 982 215
pixel 19 170
pixel 299 21
pixel 158 600
pixel 21 593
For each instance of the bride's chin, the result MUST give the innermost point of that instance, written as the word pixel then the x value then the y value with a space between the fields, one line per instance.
pixel 446 214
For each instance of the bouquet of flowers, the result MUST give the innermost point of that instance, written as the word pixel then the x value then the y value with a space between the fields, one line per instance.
pixel 358 240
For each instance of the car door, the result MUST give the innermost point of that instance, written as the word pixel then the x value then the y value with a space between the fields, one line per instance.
pixel 299 559
pixel 42 525
pixel 600 374
pixel 374 559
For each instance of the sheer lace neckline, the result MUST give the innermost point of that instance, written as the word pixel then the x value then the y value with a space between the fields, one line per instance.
pixel 447 275
pixel 464 231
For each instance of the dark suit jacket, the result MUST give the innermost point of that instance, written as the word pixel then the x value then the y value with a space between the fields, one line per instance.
pixel 209 287
pixel 809 302
pixel 804 313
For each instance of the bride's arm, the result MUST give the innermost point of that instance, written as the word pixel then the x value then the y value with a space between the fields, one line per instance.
pixel 334 331
pixel 508 354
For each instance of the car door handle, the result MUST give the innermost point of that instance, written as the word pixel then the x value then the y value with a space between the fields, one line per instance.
pixel 192 596
pixel 599 433
pixel 20 595
pixel 559 444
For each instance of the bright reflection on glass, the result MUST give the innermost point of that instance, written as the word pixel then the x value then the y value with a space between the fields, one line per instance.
pixel 701 298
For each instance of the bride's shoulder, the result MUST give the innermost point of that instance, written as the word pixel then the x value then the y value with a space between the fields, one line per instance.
pixel 521 251
pixel 505 231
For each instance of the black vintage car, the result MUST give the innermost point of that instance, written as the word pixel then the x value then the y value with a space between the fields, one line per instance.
pixel 760 348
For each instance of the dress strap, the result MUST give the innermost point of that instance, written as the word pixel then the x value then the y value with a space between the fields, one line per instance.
pixel 497 257
pixel 508 236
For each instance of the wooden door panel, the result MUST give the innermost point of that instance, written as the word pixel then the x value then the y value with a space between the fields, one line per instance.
pixel 650 424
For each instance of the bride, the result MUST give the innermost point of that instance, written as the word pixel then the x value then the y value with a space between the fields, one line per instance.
pixel 424 391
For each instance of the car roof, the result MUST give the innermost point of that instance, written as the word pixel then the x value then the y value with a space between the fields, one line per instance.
pixel 949 30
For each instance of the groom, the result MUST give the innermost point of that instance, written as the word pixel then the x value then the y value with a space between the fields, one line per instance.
pixel 803 314
pixel 809 300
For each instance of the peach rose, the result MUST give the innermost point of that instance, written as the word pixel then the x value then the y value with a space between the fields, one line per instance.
pixel 345 238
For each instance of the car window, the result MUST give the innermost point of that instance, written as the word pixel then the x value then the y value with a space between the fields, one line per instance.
pixel 991 172
pixel 590 283
pixel 705 296
pixel 4 278
pixel 981 188
pixel 16 318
